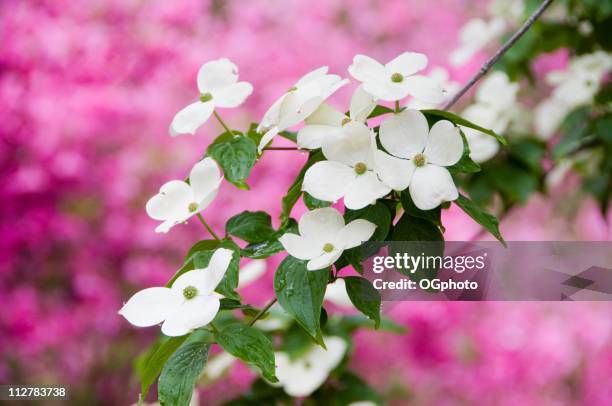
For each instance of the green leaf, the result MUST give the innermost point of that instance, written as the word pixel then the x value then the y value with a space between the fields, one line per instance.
pixel 202 245
pixel 251 346
pixel 465 164
pixel 251 226
pixel 419 236
pixel 300 292
pixel 270 247
pixel 458 120
pixel 236 154
pixel 379 111
pixel 313 203
pixel 180 373
pixel 515 183
pixel 529 152
pixel 156 360
pixel 377 213
pixel 346 325
pixel 229 282
pixel 295 342
pixel 574 129
pixel 488 221
pixel 365 298
pixel 295 190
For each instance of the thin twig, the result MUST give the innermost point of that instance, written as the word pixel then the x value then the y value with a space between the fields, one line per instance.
pixel 262 311
pixel 500 52
pixel 210 230
pixel 222 122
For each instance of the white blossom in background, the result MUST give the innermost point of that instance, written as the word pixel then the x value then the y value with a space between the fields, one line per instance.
pixel 349 171
pixel 494 108
pixel 219 87
pixel 475 36
pixel 336 293
pixel 177 200
pixel 301 377
pixel 326 120
pixel 419 157
pixel 510 10
pixel 299 102
pixel 396 79
pixel 324 236
pixel 218 365
pixel 252 271
pixel 573 87
pixel 442 78
pixel 190 302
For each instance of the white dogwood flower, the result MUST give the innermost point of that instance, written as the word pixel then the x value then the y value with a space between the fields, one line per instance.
pixel 494 108
pixel 178 200
pixel 252 271
pixel 474 36
pixel 326 120
pixel 302 376
pixel 420 156
pixel 574 86
pixel 324 236
pixel 298 103
pixel 190 302
pixel 397 79
pixel 442 78
pixel 349 171
pixel 219 87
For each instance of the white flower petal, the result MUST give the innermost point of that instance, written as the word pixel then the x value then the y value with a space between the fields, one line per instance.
pixel 394 172
pixel 252 271
pixel 324 260
pixel 366 69
pixel 216 75
pixel 272 116
pixel 206 279
pixel 365 190
pixel 424 88
pixel 300 247
pixel 328 180
pixel 299 104
pixel 356 232
pixel 431 185
pixel 482 146
pixel 336 293
pixel 326 115
pixel 329 84
pixel 311 136
pixel 193 313
pixel 407 63
pixel 350 145
pixel 312 75
pixel 204 178
pixel 362 104
pixel 321 224
pixel 267 137
pixel 150 306
pixel 172 202
pixel 330 358
pixel 444 145
pixel 404 134
pixel 233 95
pixel 189 119
pixel 386 89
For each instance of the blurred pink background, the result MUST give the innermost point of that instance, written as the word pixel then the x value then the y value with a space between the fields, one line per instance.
pixel 88 90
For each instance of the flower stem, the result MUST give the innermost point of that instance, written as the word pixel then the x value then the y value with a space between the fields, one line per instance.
pixel 222 122
pixel 281 149
pixel 500 52
pixel 210 230
pixel 397 106
pixel 263 311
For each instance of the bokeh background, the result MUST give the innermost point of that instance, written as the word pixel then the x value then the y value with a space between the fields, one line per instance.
pixel 88 90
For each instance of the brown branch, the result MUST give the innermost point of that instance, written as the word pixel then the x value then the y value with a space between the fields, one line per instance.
pixel 262 311
pixel 500 52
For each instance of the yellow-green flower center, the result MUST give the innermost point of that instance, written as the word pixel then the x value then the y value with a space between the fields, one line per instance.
pixel 193 207
pixel 328 247
pixel 345 121
pixel 205 97
pixel 360 168
pixel 190 292
pixel 419 160
pixel 397 77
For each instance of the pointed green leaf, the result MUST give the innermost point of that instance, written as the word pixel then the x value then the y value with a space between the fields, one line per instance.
pixel 295 190
pixel 251 346
pixel 251 226
pixel 300 292
pixel 365 298
pixel 458 120
pixel 488 221
pixel 236 154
